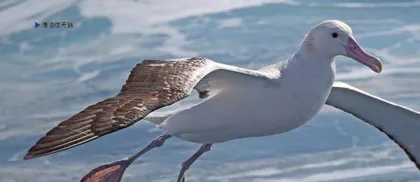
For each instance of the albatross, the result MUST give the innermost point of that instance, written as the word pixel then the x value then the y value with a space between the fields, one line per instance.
pixel 236 102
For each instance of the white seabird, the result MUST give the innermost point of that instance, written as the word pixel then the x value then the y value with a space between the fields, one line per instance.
pixel 237 102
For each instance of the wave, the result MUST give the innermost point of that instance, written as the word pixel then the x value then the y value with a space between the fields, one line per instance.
pixel 383 162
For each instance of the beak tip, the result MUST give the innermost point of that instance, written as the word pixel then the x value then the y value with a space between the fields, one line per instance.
pixel 378 66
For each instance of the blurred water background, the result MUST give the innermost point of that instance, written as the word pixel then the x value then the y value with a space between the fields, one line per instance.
pixel 46 75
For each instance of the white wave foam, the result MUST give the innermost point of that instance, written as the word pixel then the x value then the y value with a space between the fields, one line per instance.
pixel 150 13
pixel 346 174
pixel 348 164
pixel 88 76
pixel 17 156
pixel 360 73
pixel 387 55
pixel 271 171
pixel 411 28
pixel 26 130
pixel 151 17
pixel 230 23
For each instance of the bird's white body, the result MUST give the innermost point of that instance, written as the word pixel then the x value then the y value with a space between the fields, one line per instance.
pixel 258 108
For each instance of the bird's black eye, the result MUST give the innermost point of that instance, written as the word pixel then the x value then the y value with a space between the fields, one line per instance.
pixel 334 35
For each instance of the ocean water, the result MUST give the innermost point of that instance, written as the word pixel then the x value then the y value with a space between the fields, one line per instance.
pixel 46 75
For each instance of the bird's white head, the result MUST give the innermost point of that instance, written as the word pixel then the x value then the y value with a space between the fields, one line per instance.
pixel 332 38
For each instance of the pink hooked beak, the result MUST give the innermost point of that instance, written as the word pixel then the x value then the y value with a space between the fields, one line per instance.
pixel 355 52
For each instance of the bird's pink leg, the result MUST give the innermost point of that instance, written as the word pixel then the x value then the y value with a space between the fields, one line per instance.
pixel 186 164
pixel 113 172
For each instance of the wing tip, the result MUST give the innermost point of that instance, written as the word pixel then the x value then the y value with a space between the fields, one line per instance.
pixel 28 156
pixel 31 154
pixel 34 151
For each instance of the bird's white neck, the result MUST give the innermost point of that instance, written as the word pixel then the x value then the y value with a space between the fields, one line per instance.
pixel 308 63
pixel 312 64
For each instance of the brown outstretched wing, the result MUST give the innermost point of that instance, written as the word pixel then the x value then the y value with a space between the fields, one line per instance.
pixel 152 84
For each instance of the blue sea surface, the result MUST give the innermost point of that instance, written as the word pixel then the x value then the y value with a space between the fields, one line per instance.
pixel 48 74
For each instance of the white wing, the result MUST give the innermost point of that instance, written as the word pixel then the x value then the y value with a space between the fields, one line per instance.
pixel 400 124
